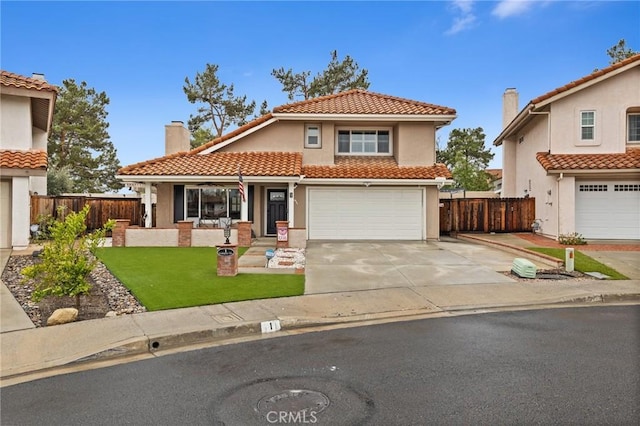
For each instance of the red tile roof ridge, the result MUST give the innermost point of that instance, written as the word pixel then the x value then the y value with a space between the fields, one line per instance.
pixel 283 108
pixel 582 80
pixel 255 122
pixel 10 79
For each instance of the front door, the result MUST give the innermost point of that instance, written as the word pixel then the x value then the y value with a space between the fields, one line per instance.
pixel 276 208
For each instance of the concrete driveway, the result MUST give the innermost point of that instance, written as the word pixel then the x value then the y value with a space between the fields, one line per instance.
pixel 351 266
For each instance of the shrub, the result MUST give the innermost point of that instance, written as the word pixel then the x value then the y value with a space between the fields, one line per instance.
pixel 67 259
pixel 573 239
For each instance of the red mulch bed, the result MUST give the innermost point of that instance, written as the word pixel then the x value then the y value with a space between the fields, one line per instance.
pixel 540 241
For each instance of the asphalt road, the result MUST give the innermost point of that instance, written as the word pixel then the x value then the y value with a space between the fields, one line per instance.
pixel 558 366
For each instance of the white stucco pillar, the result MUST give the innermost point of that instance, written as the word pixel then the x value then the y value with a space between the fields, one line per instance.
pixel 244 204
pixel 291 205
pixel 21 214
pixel 148 206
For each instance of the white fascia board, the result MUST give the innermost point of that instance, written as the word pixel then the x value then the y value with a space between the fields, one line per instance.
pixel 13 172
pixel 514 125
pixel 376 182
pixel 617 173
pixel 247 132
pixel 365 117
pixel 203 179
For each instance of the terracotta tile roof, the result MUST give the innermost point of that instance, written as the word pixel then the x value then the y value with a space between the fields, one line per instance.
pixel 595 74
pixel 496 173
pixel 10 79
pixel 621 161
pixel 359 101
pixel 16 159
pixel 219 164
pixel 356 167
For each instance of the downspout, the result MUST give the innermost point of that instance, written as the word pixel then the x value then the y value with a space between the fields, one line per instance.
pixel 558 205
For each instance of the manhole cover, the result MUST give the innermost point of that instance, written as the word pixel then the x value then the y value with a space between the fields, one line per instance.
pixel 295 402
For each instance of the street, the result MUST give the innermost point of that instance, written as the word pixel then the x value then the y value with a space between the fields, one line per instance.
pixel 556 366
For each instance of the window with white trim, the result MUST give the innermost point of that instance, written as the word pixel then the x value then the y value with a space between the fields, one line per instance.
pixel 364 142
pixel 587 125
pixel 212 202
pixel 633 126
pixel 312 136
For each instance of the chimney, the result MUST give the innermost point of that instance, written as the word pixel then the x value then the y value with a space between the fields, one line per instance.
pixel 38 76
pixel 509 106
pixel 176 138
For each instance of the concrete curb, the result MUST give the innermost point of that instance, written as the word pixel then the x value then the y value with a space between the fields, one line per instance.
pixel 548 260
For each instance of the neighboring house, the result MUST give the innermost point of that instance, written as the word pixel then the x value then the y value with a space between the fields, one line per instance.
pixel 576 150
pixel 26 115
pixel 496 182
pixel 354 165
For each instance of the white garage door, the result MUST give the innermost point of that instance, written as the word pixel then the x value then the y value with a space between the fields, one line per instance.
pixel 608 210
pixel 365 214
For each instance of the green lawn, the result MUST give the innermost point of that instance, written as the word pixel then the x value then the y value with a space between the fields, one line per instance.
pixel 582 263
pixel 178 277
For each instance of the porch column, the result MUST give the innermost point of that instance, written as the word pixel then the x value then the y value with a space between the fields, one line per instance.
pixel 290 207
pixel 244 204
pixel 148 219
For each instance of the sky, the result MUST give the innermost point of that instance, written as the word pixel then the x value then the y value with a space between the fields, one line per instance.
pixel 458 54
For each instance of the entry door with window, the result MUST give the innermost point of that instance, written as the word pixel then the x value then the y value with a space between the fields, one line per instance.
pixel 276 208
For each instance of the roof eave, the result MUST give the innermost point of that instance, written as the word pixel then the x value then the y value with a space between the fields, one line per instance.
pixel 373 181
pixel 203 178
pixel 582 172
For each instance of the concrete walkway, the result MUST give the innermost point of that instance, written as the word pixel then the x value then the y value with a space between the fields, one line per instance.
pixel 12 316
pixel 437 290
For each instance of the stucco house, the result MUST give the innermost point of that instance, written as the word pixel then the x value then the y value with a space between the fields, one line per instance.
pixel 576 149
pixel 26 115
pixel 353 165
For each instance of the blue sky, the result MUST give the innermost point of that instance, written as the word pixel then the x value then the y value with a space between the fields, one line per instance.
pixel 460 54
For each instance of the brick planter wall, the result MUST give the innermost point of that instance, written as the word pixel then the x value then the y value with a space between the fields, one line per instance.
pixel 279 225
pixel 244 234
pixel 118 234
pixel 227 265
pixel 184 233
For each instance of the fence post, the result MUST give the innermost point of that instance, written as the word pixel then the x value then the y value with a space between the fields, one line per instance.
pixel 119 233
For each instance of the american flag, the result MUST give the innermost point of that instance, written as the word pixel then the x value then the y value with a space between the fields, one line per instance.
pixel 241 185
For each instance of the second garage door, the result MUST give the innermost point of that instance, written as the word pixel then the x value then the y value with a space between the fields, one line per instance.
pixel 365 214
pixel 608 210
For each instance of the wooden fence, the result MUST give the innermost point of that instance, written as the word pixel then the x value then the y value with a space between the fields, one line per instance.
pixel 487 215
pixel 101 209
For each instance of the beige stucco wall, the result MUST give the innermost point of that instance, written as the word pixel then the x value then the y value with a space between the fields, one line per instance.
pixel 610 100
pixel 300 197
pixel 151 237
pixel 15 122
pixel 203 237
pixel 164 205
pixel 433 213
pixel 416 144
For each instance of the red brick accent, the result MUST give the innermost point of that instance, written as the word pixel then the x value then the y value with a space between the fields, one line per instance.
pixel 227 264
pixel 184 233
pixel 244 234
pixel 279 225
pixel 119 232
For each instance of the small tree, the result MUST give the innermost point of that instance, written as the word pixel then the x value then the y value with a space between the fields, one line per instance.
pixel 67 258
pixel 467 158
pixel 620 52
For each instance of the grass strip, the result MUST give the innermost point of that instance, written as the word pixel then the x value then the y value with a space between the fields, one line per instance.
pixel 582 262
pixel 179 277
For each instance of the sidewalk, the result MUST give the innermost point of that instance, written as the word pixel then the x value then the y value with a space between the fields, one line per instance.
pixel 28 350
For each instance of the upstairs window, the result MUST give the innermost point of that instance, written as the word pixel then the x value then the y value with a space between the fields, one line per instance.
pixel 587 125
pixel 364 142
pixel 633 126
pixel 312 135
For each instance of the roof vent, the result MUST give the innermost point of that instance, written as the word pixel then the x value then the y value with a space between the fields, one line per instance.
pixel 38 76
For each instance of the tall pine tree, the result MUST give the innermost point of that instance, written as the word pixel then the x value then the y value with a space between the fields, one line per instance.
pixel 79 141
pixel 467 158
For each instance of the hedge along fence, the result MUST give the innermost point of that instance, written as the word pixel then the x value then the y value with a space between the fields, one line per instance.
pixel 101 209
pixel 487 215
